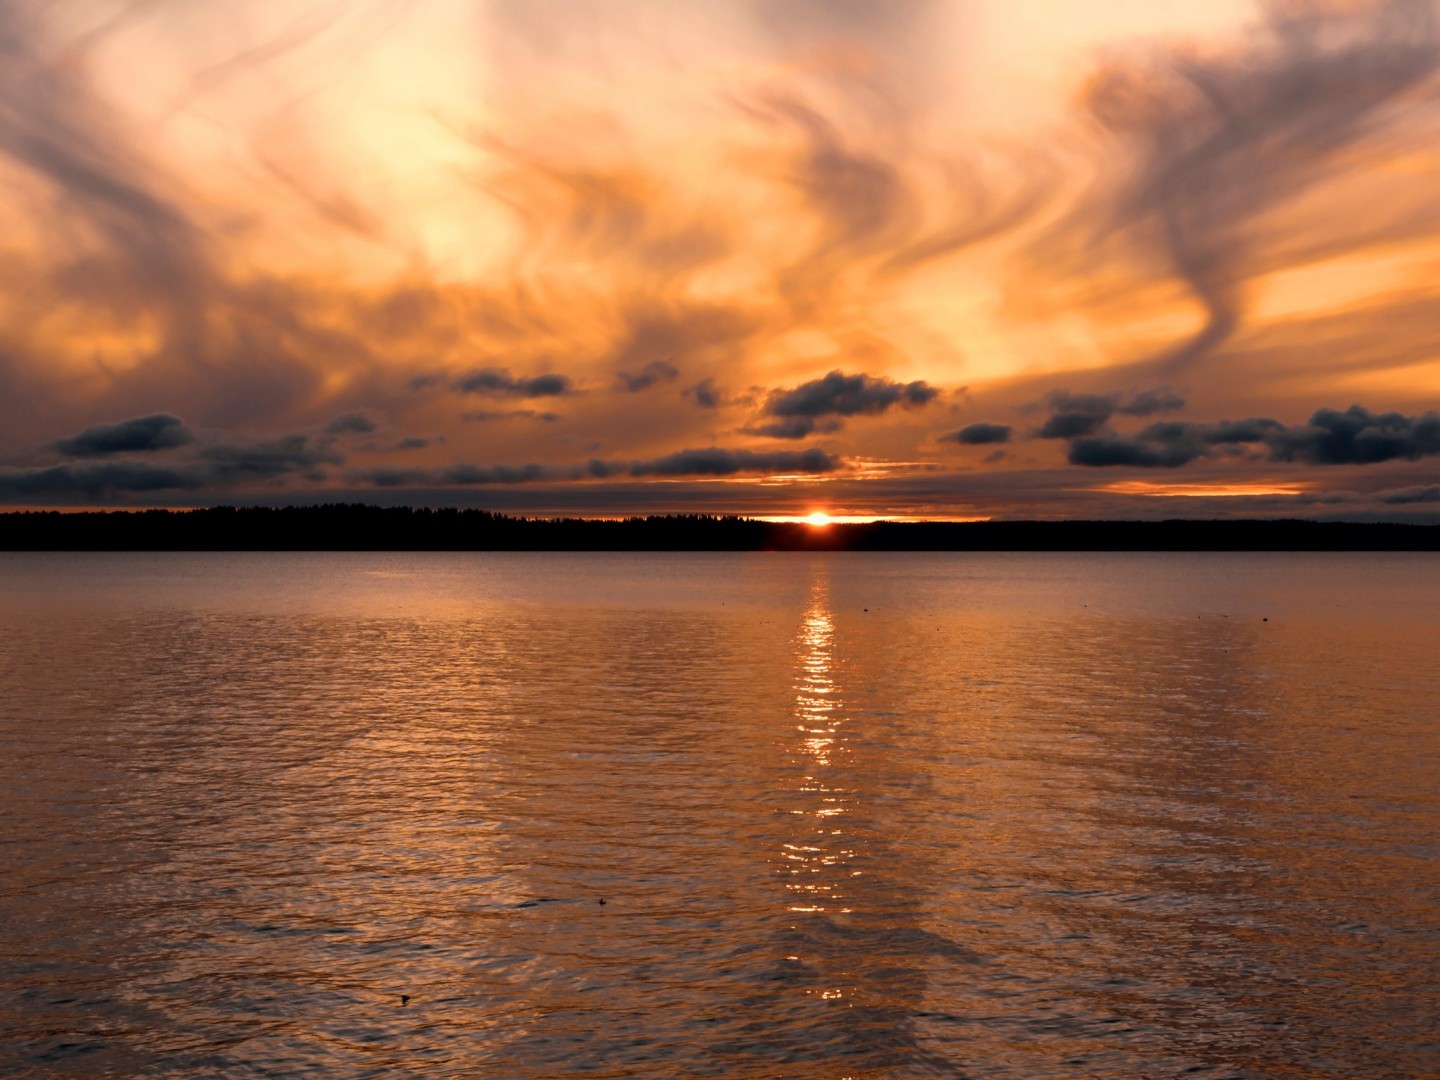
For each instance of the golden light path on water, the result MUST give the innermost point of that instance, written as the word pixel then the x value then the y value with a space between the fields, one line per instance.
pixel 819 718
pixel 819 861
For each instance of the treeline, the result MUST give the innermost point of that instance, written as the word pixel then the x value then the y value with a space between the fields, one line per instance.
pixel 349 527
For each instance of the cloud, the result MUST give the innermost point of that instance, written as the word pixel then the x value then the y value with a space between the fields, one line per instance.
pixel 718 462
pixel 100 479
pixel 211 466
pixel 1171 444
pixel 462 475
pixel 465 475
pixel 158 431
pixel 817 404
pixel 1212 148
pixel 707 395
pixel 981 434
pixel 417 442
pixel 795 427
pixel 486 416
pixel 1150 402
pixel 713 461
pixel 52 124
pixel 269 459
pixel 350 423
pixel 1075 415
pixel 1358 437
pixel 652 373
pixel 1405 496
pixel 1133 450
pixel 499 382
pixel 1353 437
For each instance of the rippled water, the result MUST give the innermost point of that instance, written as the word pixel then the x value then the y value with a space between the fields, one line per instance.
pixel 850 815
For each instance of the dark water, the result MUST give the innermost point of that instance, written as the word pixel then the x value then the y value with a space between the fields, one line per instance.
pixel 1026 816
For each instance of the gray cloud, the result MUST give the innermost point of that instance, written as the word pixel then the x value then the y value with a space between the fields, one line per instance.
pixel 707 395
pixel 466 475
pixel 158 431
pixel 795 427
pixel 212 466
pixel 655 372
pixel 1133 450
pixel 487 416
pixel 1358 437
pixel 1353 437
pixel 100 479
pixel 1405 496
pixel 350 423
pixel 981 434
pixel 715 461
pixel 1150 402
pixel 269 459
pixel 1171 444
pixel 848 395
pixel 463 475
pixel 817 405
pixel 1075 415
pixel 499 382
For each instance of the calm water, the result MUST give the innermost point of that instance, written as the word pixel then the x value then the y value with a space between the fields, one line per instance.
pixel 851 815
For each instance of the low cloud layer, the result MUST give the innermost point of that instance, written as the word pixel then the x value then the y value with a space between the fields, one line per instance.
pixel 159 431
pixel 709 462
pixel 1429 493
pixel 217 466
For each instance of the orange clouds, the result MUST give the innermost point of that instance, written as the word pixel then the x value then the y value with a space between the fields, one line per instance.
pixel 259 218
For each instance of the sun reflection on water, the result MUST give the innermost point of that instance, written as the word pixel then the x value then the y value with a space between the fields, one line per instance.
pixel 818 862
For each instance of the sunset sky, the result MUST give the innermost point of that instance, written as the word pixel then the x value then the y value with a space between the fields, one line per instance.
pixel 913 258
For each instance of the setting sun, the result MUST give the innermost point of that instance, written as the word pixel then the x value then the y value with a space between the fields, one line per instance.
pixel 818 518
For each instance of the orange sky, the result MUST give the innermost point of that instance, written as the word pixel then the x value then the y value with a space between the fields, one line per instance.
pixel 924 258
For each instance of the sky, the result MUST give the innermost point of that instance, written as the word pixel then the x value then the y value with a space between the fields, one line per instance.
pixel 946 259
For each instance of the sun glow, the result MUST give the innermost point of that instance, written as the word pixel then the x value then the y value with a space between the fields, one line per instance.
pixel 819 519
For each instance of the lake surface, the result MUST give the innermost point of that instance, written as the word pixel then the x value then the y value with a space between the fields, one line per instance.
pixel 851 815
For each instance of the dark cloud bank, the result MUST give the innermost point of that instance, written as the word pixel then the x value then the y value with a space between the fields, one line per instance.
pixel 159 431
pixel 709 462
pixel 1353 437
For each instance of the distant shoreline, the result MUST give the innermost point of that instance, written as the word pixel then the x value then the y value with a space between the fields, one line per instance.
pixel 370 528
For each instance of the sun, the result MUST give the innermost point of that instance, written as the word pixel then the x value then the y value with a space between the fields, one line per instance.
pixel 819 519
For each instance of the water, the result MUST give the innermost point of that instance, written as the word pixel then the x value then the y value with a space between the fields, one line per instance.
pixel 851 815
